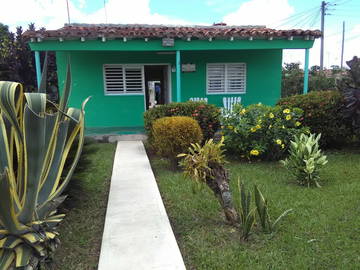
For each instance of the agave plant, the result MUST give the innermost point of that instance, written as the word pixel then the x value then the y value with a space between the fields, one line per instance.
pixel 34 145
pixel 247 215
pixel 262 208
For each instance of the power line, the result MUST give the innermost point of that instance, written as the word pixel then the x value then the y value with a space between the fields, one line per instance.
pixel 294 17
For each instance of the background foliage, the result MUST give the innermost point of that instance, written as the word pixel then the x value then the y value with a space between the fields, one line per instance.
pixel 293 79
pixel 322 114
pixel 17 62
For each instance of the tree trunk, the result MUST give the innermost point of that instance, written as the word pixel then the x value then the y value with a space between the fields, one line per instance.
pixel 219 184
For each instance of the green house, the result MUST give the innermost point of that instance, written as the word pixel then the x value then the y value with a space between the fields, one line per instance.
pixel 126 67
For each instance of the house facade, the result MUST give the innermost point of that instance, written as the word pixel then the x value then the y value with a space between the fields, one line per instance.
pixel 122 66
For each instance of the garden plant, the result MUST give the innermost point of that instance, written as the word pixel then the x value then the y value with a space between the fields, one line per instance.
pixel 350 88
pixel 35 139
pixel 305 159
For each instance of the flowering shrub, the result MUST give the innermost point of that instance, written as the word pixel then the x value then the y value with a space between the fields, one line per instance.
pixel 261 132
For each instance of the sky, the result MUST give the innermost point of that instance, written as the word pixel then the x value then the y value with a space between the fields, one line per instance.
pixel 279 14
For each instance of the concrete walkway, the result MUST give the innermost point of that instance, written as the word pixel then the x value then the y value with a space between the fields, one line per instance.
pixel 137 233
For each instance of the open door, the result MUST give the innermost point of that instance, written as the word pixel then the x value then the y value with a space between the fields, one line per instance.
pixel 156 77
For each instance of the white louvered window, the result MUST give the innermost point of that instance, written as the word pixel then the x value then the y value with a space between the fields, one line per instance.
pixel 226 78
pixel 123 79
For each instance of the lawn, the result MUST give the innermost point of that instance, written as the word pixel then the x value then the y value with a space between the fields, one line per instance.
pixel 82 228
pixel 322 232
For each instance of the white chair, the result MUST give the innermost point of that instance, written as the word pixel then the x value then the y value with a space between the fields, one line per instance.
pixel 199 99
pixel 229 102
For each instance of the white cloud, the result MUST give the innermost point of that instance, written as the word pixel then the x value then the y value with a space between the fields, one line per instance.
pixel 52 14
pixel 260 12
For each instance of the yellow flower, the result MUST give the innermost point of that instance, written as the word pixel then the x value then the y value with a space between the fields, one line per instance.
pixel 297 123
pixel 286 111
pixel 222 127
pixel 258 126
pixel 271 115
pixel 252 129
pixel 270 126
pixel 278 141
pixel 243 111
pixel 230 127
pixel 236 130
pixel 283 126
pixel 254 152
pixel 288 117
pixel 283 146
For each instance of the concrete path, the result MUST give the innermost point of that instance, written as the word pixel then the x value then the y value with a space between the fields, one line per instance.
pixel 137 233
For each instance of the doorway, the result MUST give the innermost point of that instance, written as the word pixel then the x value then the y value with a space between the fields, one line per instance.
pixel 158 76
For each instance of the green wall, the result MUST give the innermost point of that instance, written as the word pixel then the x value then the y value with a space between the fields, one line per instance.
pixel 263 80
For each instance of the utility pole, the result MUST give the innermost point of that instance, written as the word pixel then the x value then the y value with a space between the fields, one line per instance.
pixel 68 12
pixel 323 9
pixel 342 45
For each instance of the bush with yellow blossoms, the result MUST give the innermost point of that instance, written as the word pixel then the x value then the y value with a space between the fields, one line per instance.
pixel 261 132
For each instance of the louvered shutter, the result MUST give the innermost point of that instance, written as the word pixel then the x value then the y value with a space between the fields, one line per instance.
pixel 114 79
pixel 235 78
pixel 134 79
pixel 216 78
pixel 226 78
pixel 123 79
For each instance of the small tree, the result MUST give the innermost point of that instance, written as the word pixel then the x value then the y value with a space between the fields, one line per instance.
pixel 205 164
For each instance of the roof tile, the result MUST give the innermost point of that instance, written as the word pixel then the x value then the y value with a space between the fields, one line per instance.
pixel 94 31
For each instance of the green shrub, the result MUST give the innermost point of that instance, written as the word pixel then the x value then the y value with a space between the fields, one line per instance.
pixel 261 132
pixel 322 114
pixel 305 159
pixel 207 115
pixel 174 135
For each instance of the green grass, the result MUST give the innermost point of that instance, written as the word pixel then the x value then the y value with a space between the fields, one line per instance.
pixel 82 228
pixel 323 231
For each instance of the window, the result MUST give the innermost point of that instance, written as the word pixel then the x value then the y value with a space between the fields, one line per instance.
pixel 227 78
pixel 123 79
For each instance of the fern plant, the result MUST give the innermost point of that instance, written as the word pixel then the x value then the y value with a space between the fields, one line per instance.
pixel 34 146
pixel 305 159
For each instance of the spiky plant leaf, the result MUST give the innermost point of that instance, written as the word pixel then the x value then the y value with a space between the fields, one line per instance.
pixel 34 146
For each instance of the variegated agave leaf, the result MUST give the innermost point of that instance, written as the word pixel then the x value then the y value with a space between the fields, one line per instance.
pixel 34 146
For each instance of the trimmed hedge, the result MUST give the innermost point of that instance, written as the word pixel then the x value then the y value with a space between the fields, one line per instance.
pixel 322 114
pixel 207 115
pixel 174 135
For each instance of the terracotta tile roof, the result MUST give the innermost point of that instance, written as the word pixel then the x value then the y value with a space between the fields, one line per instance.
pixel 216 31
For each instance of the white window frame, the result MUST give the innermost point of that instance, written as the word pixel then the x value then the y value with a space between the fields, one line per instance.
pixel 125 93
pixel 225 91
